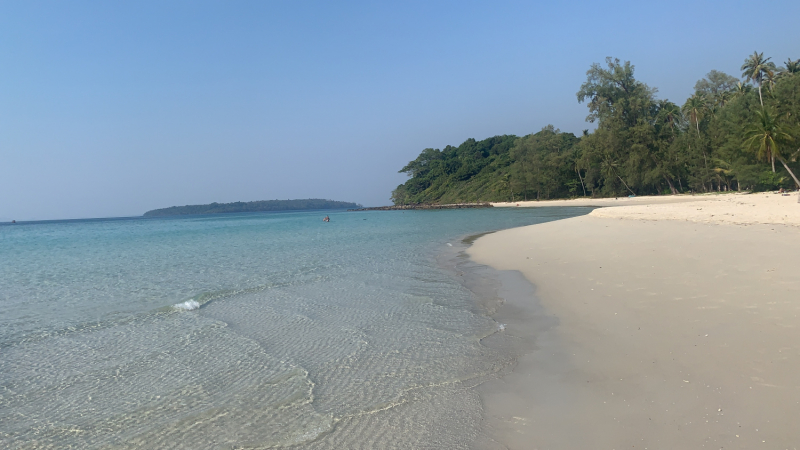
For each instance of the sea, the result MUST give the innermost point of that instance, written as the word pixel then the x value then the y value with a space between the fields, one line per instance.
pixel 249 331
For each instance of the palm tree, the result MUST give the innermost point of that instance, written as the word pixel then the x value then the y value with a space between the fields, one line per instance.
pixel 724 97
pixel 694 107
pixel 578 171
pixel 755 68
pixel 727 170
pixel 668 113
pixel 609 168
pixel 766 137
pixel 741 89
pixel 712 108
pixel 771 78
pixel 792 67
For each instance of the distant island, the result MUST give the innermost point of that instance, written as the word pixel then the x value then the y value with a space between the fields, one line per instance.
pixel 263 205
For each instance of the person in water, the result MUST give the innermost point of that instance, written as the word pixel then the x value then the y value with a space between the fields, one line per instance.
pixel 326 219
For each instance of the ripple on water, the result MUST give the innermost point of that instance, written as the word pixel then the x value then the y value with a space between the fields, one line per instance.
pixel 249 332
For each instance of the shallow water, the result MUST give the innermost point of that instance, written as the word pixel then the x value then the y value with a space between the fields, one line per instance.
pixel 245 331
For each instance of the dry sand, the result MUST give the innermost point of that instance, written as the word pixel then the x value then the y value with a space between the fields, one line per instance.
pixel 678 331
pixel 620 201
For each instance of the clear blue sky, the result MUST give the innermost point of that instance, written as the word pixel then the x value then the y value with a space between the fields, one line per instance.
pixel 114 108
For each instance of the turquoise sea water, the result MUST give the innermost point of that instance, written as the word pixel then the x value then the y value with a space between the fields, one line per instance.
pixel 245 331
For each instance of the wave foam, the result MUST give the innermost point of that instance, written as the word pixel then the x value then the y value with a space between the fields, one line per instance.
pixel 188 305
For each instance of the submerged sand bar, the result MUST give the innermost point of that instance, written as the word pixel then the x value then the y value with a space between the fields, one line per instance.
pixel 678 326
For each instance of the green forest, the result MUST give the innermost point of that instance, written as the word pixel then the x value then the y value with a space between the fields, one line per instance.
pixel 258 206
pixel 731 134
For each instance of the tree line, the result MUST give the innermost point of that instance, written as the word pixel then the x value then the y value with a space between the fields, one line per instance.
pixel 258 206
pixel 731 134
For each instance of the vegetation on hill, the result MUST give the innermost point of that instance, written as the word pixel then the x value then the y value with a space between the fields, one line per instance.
pixel 264 205
pixel 728 135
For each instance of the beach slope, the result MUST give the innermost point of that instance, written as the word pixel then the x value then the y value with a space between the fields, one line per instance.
pixel 675 329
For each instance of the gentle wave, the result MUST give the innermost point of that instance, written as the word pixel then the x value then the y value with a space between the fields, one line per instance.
pixel 188 305
pixel 313 337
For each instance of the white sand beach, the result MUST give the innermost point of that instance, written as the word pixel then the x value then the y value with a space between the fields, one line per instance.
pixel 677 326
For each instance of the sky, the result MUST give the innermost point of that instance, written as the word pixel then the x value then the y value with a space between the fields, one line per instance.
pixel 113 108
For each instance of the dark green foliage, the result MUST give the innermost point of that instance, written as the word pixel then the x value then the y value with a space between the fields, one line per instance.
pixel 545 165
pixel 716 84
pixel 642 145
pixel 264 205
pixel 468 172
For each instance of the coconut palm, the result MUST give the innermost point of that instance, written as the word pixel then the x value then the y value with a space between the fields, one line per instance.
pixel 756 68
pixel 767 137
pixel 609 168
pixel 668 113
pixel 712 107
pixel 789 69
pixel 724 97
pixel 741 89
pixel 770 78
pixel 694 108
pixel 726 169
pixel 792 67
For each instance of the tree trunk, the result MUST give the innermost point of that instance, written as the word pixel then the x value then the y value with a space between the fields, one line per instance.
pixel 761 100
pixel 671 187
pixel 705 164
pixel 626 186
pixel 582 185
pixel 796 181
pixel 524 177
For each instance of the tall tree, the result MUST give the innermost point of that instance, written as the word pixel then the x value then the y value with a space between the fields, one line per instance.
pixel 767 138
pixel 668 114
pixel 625 139
pixel 791 67
pixel 741 89
pixel 787 100
pixel 756 68
pixel 667 166
pixel 694 108
pixel 715 84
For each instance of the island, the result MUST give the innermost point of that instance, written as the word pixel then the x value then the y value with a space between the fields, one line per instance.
pixel 257 206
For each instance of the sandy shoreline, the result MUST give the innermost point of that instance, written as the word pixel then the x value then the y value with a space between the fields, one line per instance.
pixel 674 327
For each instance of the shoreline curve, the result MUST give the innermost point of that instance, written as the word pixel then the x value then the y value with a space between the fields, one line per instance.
pixel 677 327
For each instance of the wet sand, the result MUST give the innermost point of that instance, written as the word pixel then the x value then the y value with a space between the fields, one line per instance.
pixel 653 327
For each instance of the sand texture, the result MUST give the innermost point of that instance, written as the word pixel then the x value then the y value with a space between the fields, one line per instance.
pixel 679 331
pixel 736 209
pixel 619 201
